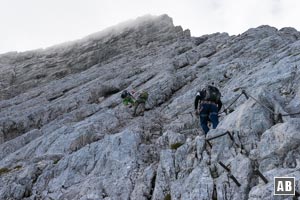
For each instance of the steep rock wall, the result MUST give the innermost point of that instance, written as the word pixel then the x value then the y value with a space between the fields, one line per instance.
pixel 64 133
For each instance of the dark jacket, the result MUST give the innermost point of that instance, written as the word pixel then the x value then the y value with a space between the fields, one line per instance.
pixel 200 96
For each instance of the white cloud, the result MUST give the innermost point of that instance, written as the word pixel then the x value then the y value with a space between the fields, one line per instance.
pixel 33 24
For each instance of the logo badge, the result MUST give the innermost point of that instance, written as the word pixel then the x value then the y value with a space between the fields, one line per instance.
pixel 284 185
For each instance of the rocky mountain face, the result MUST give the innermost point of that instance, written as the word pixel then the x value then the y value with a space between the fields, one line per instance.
pixel 65 134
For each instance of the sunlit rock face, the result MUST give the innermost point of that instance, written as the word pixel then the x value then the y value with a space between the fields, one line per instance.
pixel 65 134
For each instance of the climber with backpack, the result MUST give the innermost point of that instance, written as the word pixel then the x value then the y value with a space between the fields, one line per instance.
pixel 128 99
pixel 139 101
pixel 210 104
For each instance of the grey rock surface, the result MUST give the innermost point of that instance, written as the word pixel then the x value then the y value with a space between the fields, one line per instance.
pixel 65 134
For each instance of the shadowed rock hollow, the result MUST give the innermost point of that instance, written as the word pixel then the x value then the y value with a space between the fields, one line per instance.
pixel 64 133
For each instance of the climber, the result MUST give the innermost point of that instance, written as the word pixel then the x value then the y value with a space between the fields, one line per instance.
pixel 141 101
pixel 129 99
pixel 210 104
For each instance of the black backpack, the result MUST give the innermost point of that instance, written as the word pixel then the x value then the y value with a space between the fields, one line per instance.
pixel 212 94
pixel 124 94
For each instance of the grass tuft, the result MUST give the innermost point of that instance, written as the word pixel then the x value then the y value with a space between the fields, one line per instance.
pixel 176 145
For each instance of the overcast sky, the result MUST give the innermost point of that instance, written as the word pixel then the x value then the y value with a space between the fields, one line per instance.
pixel 31 24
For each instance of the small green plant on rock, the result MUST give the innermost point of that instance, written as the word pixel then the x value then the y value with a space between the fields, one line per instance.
pixel 176 145
pixel 168 197
pixel 18 167
pixel 4 170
